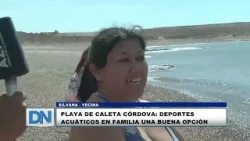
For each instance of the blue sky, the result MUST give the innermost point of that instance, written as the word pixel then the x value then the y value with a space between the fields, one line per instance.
pixel 92 15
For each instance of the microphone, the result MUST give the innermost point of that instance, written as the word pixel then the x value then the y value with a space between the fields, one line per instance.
pixel 12 59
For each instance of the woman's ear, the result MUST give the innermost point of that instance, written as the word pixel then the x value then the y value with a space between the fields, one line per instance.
pixel 96 72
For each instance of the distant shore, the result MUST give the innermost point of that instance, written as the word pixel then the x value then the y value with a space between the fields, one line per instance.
pixel 164 42
pixel 156 36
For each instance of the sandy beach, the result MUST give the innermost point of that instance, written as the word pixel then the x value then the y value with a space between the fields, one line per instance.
pixel 51 67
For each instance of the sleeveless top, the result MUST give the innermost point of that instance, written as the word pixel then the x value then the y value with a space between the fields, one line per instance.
pixel 131 133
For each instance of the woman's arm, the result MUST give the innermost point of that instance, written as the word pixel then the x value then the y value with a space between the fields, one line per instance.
pixel 177 133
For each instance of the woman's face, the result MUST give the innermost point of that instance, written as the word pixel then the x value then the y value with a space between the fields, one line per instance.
pixel 125 74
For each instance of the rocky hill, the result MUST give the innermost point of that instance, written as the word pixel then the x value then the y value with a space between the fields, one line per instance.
pixel 200 31
pixel 181 32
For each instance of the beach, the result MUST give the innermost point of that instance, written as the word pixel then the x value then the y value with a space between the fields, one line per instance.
pixel 52 65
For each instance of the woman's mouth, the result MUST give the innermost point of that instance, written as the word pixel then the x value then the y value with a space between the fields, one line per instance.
pixel 134 81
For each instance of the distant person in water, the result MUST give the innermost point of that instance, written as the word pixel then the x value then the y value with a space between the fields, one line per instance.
pixel 115 70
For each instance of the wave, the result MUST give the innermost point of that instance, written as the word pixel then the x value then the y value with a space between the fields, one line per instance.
pixel 163 50
pixel 194 44
pixel 157 49
pixel 200 82
pixel 37 47
pixel 153 68
pixel 152 78
pixel 155 46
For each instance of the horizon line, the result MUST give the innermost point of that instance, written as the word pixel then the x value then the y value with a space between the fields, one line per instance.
pixel 208 24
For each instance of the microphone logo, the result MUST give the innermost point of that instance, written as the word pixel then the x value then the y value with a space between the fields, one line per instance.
pixel 4 58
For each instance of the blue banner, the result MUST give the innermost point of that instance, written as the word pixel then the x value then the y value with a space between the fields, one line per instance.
pixel 143 104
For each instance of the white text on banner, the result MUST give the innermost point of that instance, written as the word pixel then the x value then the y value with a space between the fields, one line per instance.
pixel 89 117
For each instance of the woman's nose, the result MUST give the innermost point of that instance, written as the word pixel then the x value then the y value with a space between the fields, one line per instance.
pixel 134 66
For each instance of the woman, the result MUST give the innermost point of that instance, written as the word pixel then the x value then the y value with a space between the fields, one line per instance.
pixel 116 71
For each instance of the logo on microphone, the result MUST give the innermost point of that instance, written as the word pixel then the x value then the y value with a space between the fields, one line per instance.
pixel 4 58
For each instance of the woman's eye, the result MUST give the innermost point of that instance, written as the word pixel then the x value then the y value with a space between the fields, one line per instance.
pixel 123 60
pixel 142 58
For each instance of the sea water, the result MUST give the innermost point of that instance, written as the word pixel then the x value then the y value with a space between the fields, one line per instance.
pixel 209 72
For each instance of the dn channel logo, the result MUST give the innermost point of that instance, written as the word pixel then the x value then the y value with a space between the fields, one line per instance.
pixel 40 117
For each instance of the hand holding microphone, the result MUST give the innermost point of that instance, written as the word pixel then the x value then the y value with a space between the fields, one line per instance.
pixel 12 65
pixel 12 116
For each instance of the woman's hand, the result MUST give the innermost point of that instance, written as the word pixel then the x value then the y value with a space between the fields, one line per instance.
pixel 12 116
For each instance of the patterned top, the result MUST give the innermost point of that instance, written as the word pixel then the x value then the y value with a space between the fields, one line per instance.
pixel 75 80
pixel 73 87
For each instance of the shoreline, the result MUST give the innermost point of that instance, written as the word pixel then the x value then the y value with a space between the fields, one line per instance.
pixel 166 42
pixel 231 132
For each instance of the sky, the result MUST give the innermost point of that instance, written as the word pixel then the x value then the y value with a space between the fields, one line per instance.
pixel 92 15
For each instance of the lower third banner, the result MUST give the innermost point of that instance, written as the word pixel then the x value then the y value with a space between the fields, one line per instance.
pixel 89 117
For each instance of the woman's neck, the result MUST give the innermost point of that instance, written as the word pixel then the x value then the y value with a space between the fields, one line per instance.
pixel 114 99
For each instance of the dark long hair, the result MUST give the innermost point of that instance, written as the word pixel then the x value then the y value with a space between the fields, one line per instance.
pixel 101 46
